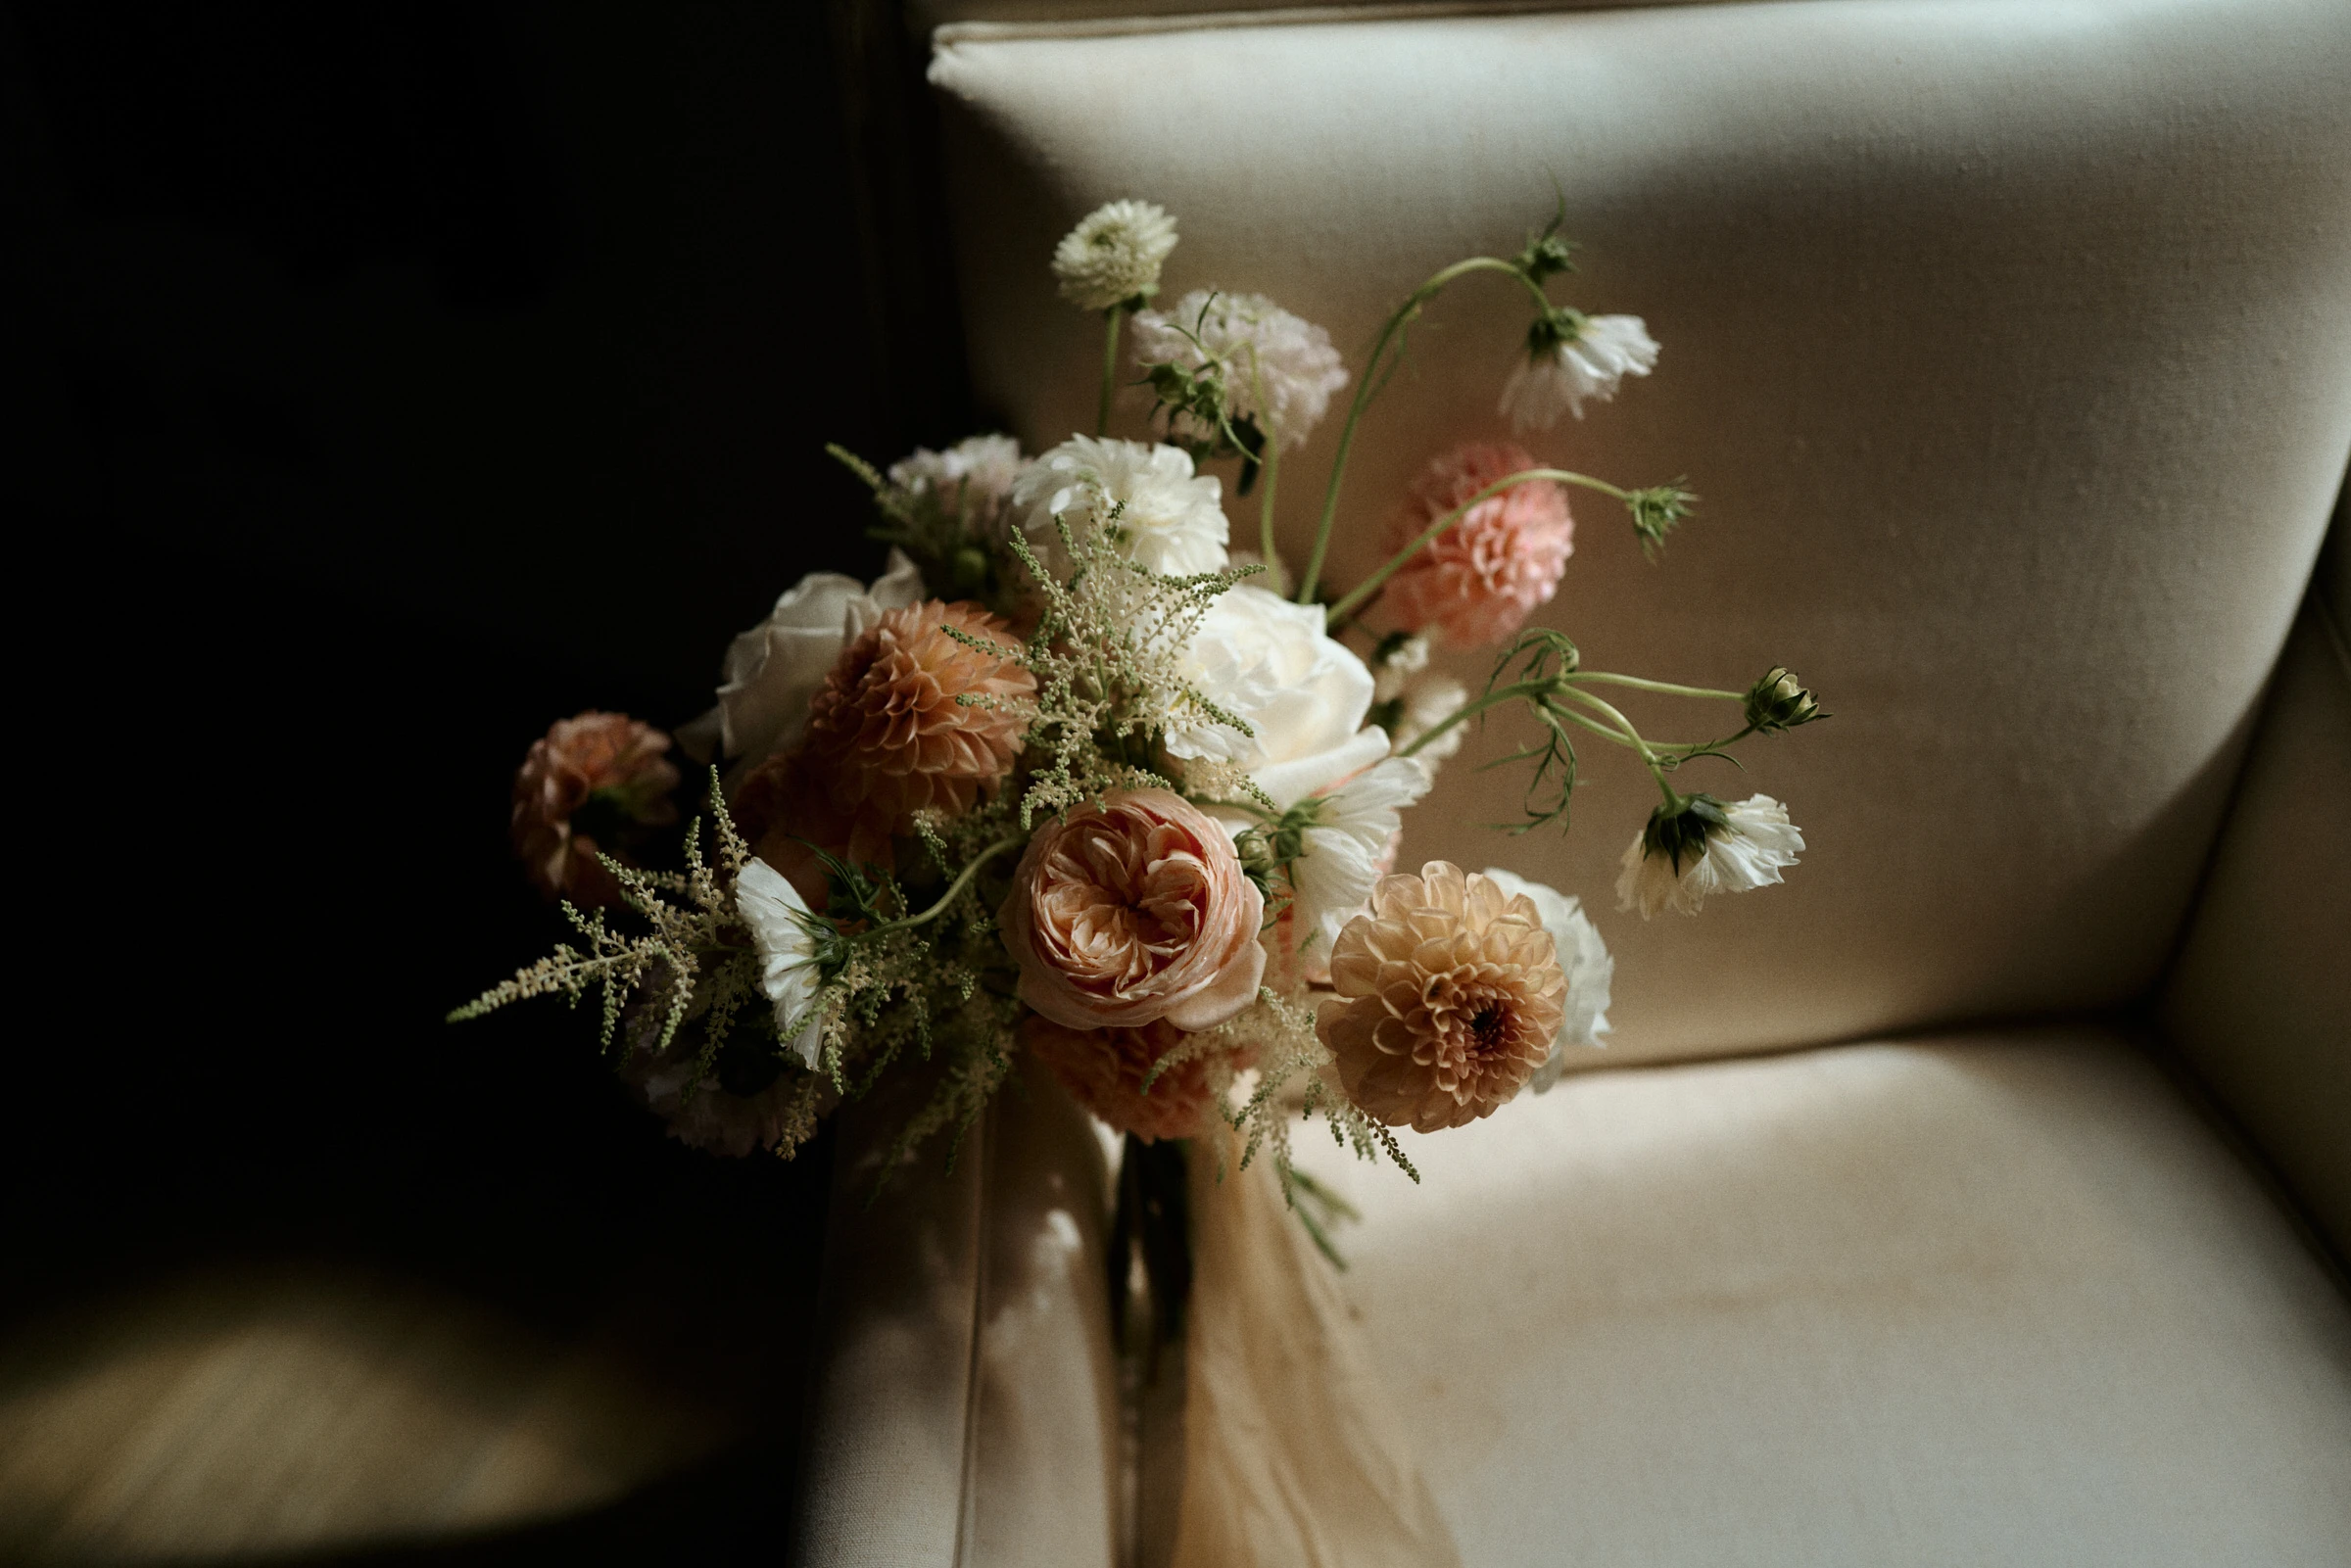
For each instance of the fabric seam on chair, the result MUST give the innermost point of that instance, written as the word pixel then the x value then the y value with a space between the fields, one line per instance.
pixel 948 34
pixel 966 1487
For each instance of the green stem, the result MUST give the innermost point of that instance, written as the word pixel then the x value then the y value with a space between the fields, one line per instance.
pixel 1673 802
pixel 1269 475
pixel 1371 585
pixel 1605 678
pixel 1110 368
pixel 1369 386
pixel 1472 709
pixel 954 890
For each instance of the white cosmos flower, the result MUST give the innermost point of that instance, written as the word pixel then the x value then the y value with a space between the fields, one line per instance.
pixel 1280 368
pixel 1590 365
pixel 1303 693
pixel 1171 520
pixel 779 921
pixel 1724 848
pixel 1114 254
pixel 1344 848
pixel 773 670
pixel 1583 958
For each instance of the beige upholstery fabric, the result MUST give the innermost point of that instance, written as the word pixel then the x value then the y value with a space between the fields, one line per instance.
pixel 1004 17
pixel 2261 999
pixel 2008 341
pixel 1992 1300
pixel 965 1409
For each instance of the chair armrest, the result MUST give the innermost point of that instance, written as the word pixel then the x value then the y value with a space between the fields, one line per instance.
pixel 2259 1001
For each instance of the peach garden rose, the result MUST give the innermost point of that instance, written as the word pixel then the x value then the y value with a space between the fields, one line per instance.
pixel 1132 911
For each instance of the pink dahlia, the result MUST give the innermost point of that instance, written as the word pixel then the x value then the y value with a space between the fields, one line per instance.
pixel 1104 1071
pixel 590 777
pixel 1477 581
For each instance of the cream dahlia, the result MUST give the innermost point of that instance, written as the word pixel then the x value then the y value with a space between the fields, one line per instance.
pixel 592 765
pixel 1476 581
pixel 1450 995
pixel 1571 359
pixel 1706 847
pixel 1584 960
pixel 1114 254
pixel 1131 911
pixel 1104 1071
pixel 1279 369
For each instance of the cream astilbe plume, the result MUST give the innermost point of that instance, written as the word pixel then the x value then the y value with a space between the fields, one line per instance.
pixel 1114 254
pixel 1449 994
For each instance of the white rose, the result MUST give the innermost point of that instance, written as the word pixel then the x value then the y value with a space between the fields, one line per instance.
pixel 1304 694
pixel 1583 958
pixel 1170 519
pixel 773 670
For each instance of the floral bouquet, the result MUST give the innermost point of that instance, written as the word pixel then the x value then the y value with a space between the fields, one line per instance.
pixel 1075 779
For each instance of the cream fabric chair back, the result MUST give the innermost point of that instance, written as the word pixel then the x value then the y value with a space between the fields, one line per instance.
pixel 2008 343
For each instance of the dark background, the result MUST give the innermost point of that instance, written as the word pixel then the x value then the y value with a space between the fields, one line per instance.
pixel 403 377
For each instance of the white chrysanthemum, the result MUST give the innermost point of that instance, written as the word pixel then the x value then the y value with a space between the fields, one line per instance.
pixel 1301 691
pixel 1583 958
pixel 1590 365
pixel 1280 369
pixel 779 921
pixel 1114 254
pixel 1343 850
pixel 1429 699
pixel 1168 519
pixel 1746 845
pixel 978 471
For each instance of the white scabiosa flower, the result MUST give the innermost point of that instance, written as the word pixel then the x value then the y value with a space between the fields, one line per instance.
pixel 782 931
pixel 1279 369
pixel 1167 517
pixel 1706 847
pixel 1114 254
pixel 1570 357
pixel 1583 958
pixel 1344 847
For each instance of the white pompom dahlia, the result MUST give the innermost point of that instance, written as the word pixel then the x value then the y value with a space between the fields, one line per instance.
pixel 1114 254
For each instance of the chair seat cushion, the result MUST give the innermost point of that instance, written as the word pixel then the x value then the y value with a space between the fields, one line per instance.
pixel 2000 1298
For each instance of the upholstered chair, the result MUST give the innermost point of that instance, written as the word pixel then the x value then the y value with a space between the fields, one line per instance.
pixel 1980 1195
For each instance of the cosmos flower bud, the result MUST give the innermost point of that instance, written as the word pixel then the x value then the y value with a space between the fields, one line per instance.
pixel 1778 701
